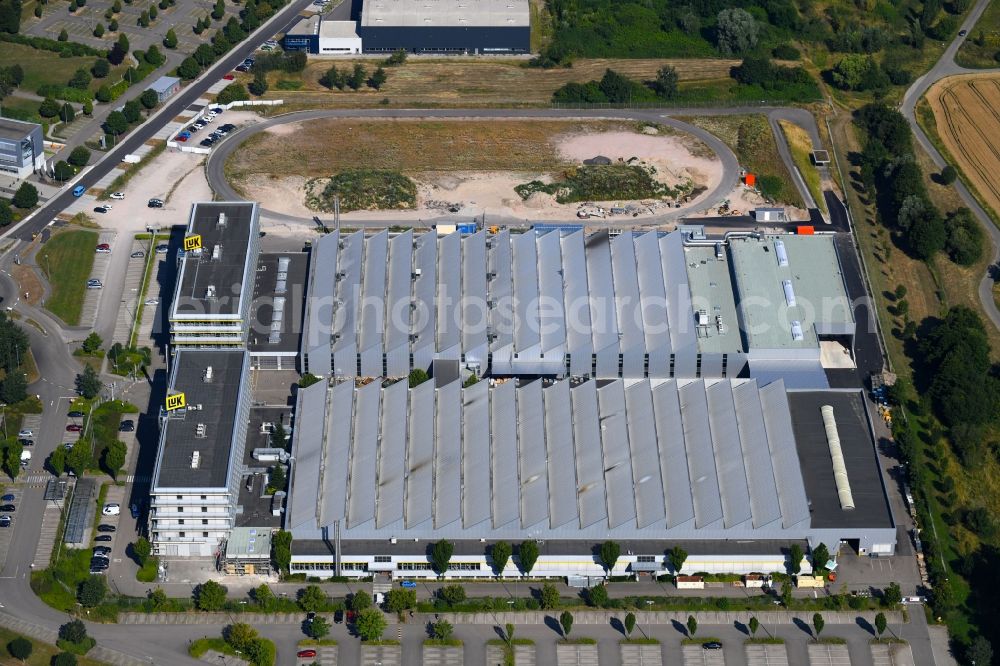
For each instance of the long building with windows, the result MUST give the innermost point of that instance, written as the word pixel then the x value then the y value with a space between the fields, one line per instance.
pixel 730 469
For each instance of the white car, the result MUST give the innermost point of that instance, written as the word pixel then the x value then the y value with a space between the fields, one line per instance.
pixel 27 434
pixel 118 196
pixel 152 301
pixel 111 510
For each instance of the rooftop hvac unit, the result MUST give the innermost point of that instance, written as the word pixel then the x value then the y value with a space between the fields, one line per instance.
pixel 786 285
pixel 797 330
pixel 780 253
pixel 837 457
pixel 208 374
pixel 222 219
pixel 283 263
pixel 195 459
pixel 210 291
pixel 416 273
pixel 703 317
pixel 200 431
pixel 718 252
pixel 217 252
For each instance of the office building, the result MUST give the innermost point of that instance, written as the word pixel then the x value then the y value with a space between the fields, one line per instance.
pixel 22 148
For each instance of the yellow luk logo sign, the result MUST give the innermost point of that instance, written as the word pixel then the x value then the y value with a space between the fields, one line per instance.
pixel 192 243
pixel 175 401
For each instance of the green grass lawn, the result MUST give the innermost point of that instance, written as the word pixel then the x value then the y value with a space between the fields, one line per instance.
pixel 982 57
pixel 67 260
pixel 19 108
pixel 41 67
pixel 41 654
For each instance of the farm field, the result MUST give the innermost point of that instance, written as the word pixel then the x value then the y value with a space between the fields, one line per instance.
pixel 474 83
pixel 967 117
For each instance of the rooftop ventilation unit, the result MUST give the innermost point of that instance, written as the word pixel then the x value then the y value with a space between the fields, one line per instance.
pixel 208 375
pixel 200 431
pixel 703 317
pixel 786 285
pixel 780 252
pixel 217 252
pixel 222 220
pixel 210 291
pixel 797 330
pixel 837 457
pixel 195 459
pixel 718 252
pixel 283 263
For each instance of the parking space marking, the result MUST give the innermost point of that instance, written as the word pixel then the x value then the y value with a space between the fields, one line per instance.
pixel 892 654
pixel 761 654
pixel 381 655
pixel 696 655
pixel 438 655
pixel 828 654
pixel 131 291
pixel 92 298
pixel 7 533
pixel 576 655
pixel 634 654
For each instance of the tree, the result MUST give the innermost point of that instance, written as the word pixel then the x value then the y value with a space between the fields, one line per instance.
pixel 398 57
pixel 629 623
pixel 692 626
pixel 441 553
pixel 103 95
pixel 239 635
pixel 263 597
pixel 12 460
pixel 281 550
pixel 597 596
pixel 566 622
pixel 149 99
pixel 116 123
pixel 818 624
pixel 820 556
pixel 980 652
pixel 666 82
pixel 100 69
pixel 91 591
pixel 88 383
pixel 360 600
pixel 736 32
pixel 333 78
pixel 153 12
pixel 113 25
pixel 358 77
pixel 527 555
pixel 880 625
pixel 609 553
pixel 63 35
pixel 442 630
pixel 20 648
pixel 452 594
pixel 153 56
pixel 786 593
pixel 219 10
pixel 548 597
pixel 143 20
pixel 26 196
pixel 370 624
pixel 63 171
pixel 142 549
pixel 74 631
pixel 795 559
pixel 378 78
pixel 66 113
pixel 276 478
pixel 114 457
pixel 259 84
pixel 57 461
pixel 508 634
pixel 676 557
pixel 6 214
pixel 79 459
pixel 398 600
pixel 64 659
pixel 948 174
pixel 92 343
pixel 210 596
pixel 99 30
pixel 14 387
pixel 188 69
pixel 49 108
pixel 892 595
pixel 965 237
pixel 500 554
pixel 754 625
pixel 318 628
pixel 279 437
pixel 312 599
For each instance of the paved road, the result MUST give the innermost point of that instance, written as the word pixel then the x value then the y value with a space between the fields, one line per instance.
pixel 945 67
pixel 215 166
pixel 37 221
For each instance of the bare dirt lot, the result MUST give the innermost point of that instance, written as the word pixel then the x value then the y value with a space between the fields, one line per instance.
pixel 967 113
pixel 472 166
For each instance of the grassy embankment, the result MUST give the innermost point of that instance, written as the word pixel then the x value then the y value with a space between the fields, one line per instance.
pixel 41 654
pixel 800 145
pixel 982 45
pixel 66 260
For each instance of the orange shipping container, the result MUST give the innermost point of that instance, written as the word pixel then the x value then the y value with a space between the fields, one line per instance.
pixel 750 179
pixel 806 230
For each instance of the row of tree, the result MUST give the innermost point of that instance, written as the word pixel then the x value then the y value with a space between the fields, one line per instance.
pixel 235 30
pixel 354 79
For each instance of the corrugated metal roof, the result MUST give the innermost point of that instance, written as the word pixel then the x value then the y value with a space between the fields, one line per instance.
pixel 559 444
pixel 448 455
pixel 531 454
pixel 781 440
pixel 308 446
pixel 420 456
pixel 673 455
pixel 756 455
pixel 373 295
pixel 398 311
pixel 650 505
pixel 475 454
pixel 505 487
pixel 364 447
pixel 617 459
pixel 501 290
pixel 728 454
pixel 590 485
pixel 474 290
pixel 550 287
pixel 525 274
pixel 700 454
pixel 320 313
pixel 392 454
pixel 600 283
pixel 338 429
pixel 449 290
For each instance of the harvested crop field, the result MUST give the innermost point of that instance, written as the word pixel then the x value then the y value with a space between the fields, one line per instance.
pixel 967 114
pixel 470 82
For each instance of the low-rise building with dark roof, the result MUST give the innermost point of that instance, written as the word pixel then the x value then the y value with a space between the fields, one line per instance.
pixel 199 462
pixel 212 299
pixel 22 148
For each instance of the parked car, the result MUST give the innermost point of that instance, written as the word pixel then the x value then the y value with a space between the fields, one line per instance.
pixel 75 414
pixel 103 248
pixel 102 209
pixel 127 425
pixel 79 190
pixel 162 249
pixel 106 528
pixel 182 139
pixel 73 427
pixel 25 433
pixel 7 498
pixel 152 301
pixel 229 77
pixel 963 33
pixel 712 645
pixel 111 509
pixel 117 196
pixel 103 537
pixel 306 654
pixel 408 584
pixel 155 203
pixel 338 616
pixel 5 521
pixel 94 284
pixel 134 509
pixel 102 550
pixel 138 254
pixel 9 508
pixel 239 68
pixel 208 143
pixel 217 110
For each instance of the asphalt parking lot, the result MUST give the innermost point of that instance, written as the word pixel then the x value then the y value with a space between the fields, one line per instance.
pixel 92 297
pixel 326 655
pixel 131 291
pixel 7 533
pixel 576 654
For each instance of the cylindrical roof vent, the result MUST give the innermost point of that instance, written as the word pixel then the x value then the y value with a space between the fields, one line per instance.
pixel 837 456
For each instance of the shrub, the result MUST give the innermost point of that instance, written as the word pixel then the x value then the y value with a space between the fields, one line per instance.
pixel 210 596
pixel 26 196
pixel 20 648
pixel 79 156
pixel 234 92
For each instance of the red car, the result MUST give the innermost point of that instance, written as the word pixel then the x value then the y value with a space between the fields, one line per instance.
pixel 182 138
pixel 73 428
pixel 306 654
pixel 229 77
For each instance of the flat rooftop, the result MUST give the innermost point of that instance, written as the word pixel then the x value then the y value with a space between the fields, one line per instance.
pixel 712 291
pixel 212 402
pixel 15 129
pixel 279 298
pixel 212 279
pixel 445 13
pixel 249 543
pixel 307 25
pixel 343 29
pixel 860 457
pixel 790 290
